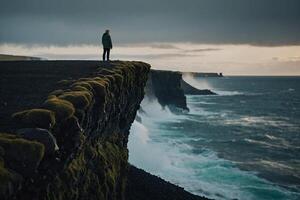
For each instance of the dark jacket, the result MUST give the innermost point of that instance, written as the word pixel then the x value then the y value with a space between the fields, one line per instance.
pixel 106 41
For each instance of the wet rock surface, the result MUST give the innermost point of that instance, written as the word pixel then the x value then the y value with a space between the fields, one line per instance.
pixel 188 89
pixel 143 185
pixel 166 87
pixel 40 135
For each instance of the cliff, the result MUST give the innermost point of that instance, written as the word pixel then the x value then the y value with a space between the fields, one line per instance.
pixel 166 87
pixel 188 89
pixel 169 88
pixel 6 57
pixel 142 185
pixel 74 145
pixel 65 137
pixel 204 74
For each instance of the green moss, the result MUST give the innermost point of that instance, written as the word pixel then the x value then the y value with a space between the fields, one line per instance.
pixel 8 136
pixel 63 109
pixel 83 84
pixel 84 79
pixel 90 84
pixel 99 87
pixel 97 173
pixel 111 78
pixel 119 71
pixel 79 88
pixel 40 118
pixel 106 71
pixel 65 82
pixel 80 99
pixel 21 155
pixel 100 78
pixel 56 92
pixel 98 169
pixel 119 79
pixel 51 97
pixel 9 182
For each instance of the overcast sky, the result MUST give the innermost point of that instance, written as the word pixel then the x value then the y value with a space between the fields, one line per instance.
pixel 234 36
pixel 259 22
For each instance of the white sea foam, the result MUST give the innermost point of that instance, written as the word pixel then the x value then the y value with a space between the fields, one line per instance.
pixel 194 110
pixel 276 165
pixel 275 142
pixel 263 143
pixel 271 137
pixel 183 168
pixel 144 153
pixel 289 90
pixel 153 110
pixel 206 103
pixel 172 158
pixel 188 78
pixel 279 140
pixel 203 84
pixel 258 121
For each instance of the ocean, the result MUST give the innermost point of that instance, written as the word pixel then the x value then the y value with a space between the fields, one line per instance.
pixel 243 143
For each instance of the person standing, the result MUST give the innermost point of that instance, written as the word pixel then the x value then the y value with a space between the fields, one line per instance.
pixel 107 45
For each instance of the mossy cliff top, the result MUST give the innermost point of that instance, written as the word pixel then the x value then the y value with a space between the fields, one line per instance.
pixel 90 118
pixel 19 158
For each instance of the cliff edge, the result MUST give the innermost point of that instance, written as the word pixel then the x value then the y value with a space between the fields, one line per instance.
pixel 64 129
pixel 74 145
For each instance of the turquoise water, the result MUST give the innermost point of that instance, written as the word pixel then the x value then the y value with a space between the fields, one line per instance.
pixel 242 144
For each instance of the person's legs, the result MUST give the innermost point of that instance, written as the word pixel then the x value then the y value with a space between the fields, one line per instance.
pixel 104 52
pixel 107 51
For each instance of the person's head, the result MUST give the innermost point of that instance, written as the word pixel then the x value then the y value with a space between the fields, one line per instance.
pixel 107 31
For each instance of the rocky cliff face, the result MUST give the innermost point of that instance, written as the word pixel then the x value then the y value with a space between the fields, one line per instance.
pixel 204 74
pixel 142 185
pixel 188 89
pixel 170 89
pixel 166 87
pixel 89 119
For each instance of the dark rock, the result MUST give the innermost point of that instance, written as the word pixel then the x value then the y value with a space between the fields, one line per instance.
pixel 92 122
pixel 40 135
pixel 204 74
pixel 188 89
pixel 138 118
pixel 166 87
pixel 93 118
pixel 19 155
pixel 143 185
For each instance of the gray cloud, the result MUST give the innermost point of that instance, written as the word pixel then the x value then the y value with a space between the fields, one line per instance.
pixel 295 58
pixel 257 22
pixel 152 56
pixel 204 50
pixel 156 56
pixel 163 46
